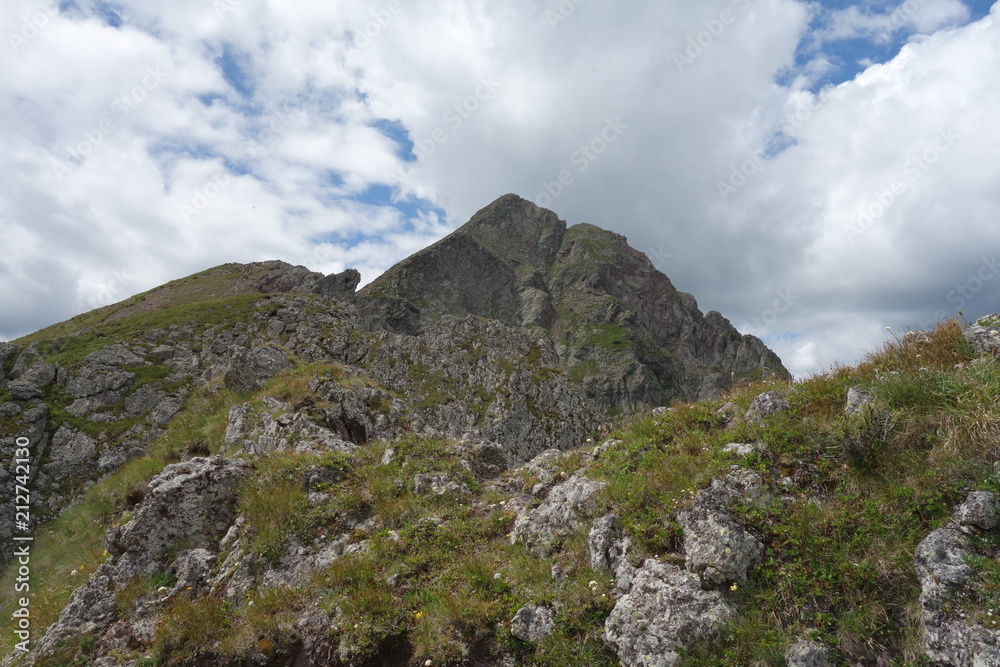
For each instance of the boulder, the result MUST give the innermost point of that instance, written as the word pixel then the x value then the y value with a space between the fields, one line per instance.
pixel 665 609
pixel 978 510
pixel 543 529
pixel 716 547
pixel 807 654
pixel 857 399
pixel 984 338
pixel 607 544
pixel 533 623
pixel 765 405
pixel 193 503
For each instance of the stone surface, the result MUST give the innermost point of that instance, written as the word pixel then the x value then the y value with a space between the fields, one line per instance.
pixel 807 654
pixel 951 637
pixel 607 544
pixel 533 623
pixel 765 405
pixel 664 610
pixel 857 399
pixel 716 547
pixel 193 502
pixel 543 528
pixel 979 510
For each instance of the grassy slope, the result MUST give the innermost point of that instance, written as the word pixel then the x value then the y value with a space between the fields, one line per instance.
pixel 838 570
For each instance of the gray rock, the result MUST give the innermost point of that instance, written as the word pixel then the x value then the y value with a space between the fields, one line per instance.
pixel 24 390
pixel 27 357
pixel 72 453
pixel 41 373
pixel 438 484
pixel 543 529
pixel 191 505
pixel 607 544
pixel 163 411
pixel 95 387
pixel 979 510
pixel 716 547
pixel 191 570
pixel 8 353
pixel 807 654
pixel 940 558
pixel 729 413
pixel 238 424
pixel 249 369
pixel 857 399
pixel 740 448
pixel 533 623
pixel 142 400
pixel 193 502
pixel 339 285
pixel 10 410
pixel 765 405
pixel 985 340
pixel 113 356
pixel 664 610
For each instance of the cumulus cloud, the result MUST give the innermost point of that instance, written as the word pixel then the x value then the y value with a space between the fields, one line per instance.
pixel 154 140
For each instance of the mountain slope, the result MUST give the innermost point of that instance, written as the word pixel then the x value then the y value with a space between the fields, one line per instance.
pixel 620 327
pixel 849 519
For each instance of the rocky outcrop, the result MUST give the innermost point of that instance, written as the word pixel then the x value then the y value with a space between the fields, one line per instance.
pixel 716 546
pixel 941 562
pixel 626 335
pixel 663 610
pixel 533 623
pixel 763 406
pixel 543 528
pixel 807 654
pixel 857 399
pixel 190 505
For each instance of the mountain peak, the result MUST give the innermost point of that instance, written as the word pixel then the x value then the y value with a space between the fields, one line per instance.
pixel 619 325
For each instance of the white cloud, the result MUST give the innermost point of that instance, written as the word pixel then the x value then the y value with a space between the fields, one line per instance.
pixel 502 98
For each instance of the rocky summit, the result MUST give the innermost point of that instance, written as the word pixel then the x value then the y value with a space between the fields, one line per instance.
pixel 520 446
pixel 617 324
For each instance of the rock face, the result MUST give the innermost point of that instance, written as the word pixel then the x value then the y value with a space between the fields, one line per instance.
pixel 664 609
pixel 543 528
pixel 716 546
pixel 190 505
pixel 940 561
pixel 616 322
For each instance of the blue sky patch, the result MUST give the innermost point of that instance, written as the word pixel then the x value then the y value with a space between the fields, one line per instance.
pixel 235 70
pixel 396 131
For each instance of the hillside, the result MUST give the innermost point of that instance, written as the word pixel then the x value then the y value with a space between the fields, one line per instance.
pixel 256 465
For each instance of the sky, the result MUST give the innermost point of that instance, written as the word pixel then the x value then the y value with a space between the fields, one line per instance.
pixel 815 171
